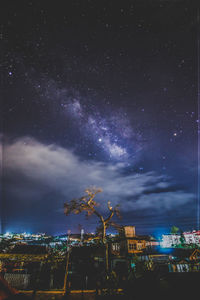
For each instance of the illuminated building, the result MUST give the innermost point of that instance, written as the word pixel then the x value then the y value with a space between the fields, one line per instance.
pixel 129 243
pixel 187 238
pixel 170 240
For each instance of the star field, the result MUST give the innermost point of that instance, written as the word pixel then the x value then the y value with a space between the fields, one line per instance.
pixel 115 82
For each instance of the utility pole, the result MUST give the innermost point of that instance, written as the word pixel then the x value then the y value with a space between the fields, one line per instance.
pixel 82 235
pixel 67 264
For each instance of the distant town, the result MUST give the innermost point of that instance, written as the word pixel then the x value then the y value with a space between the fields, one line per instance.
pixel 35 262
pixel 187 239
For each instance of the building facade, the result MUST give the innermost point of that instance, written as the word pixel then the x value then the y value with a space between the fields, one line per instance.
pixel 186 238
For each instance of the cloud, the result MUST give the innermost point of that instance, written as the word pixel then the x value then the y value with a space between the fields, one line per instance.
pixel 33 170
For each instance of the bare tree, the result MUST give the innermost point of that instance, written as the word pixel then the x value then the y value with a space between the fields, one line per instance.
pixel 89 205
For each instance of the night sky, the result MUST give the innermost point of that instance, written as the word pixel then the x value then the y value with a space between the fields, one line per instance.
pixel 100 93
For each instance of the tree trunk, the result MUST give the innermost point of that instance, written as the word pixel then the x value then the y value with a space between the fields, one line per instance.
pixel 104 232
pixel 105 244
pixel 107 265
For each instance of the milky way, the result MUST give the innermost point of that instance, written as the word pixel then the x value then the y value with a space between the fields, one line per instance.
pixel 108 130
pixel 108 133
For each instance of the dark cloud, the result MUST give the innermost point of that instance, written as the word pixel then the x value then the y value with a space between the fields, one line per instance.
pixel 38 178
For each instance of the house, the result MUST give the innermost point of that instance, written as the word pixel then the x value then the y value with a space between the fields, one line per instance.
pixel 127 242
